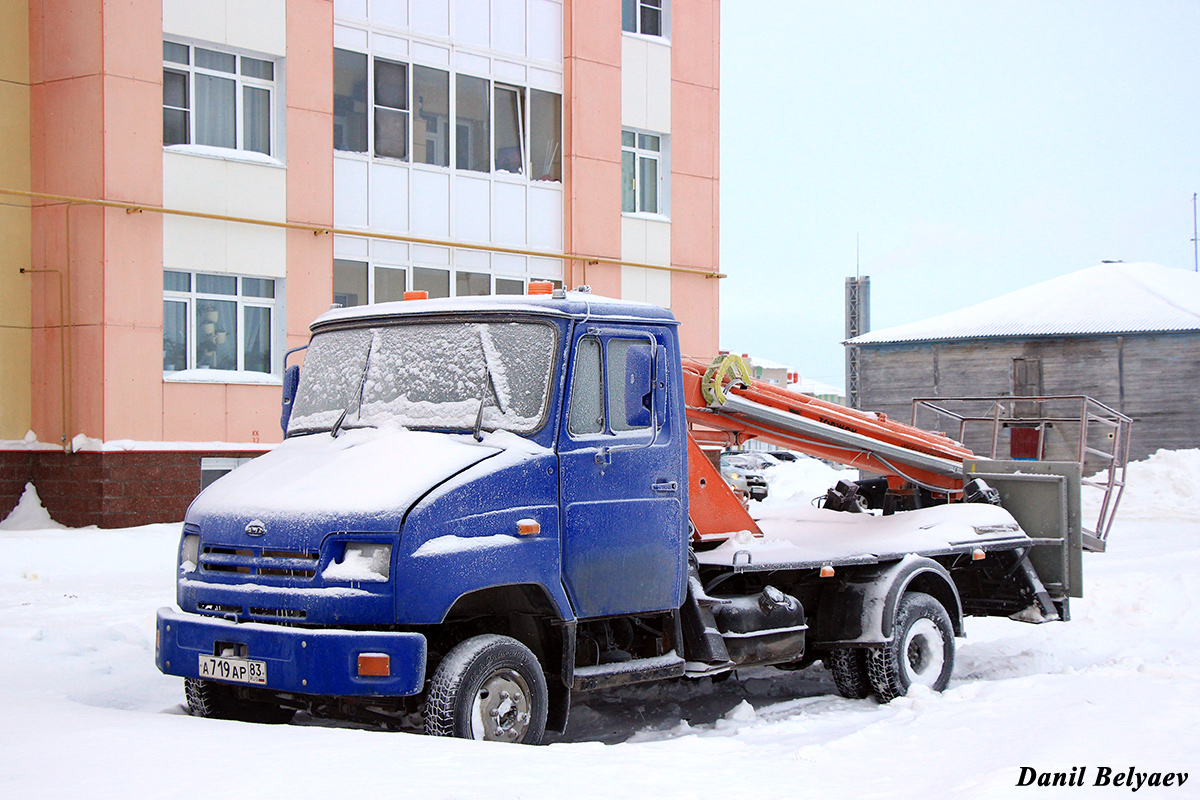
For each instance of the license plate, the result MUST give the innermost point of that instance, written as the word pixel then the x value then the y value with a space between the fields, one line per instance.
pixel 239 670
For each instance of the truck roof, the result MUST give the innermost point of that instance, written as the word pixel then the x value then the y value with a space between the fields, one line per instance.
pixel 577 305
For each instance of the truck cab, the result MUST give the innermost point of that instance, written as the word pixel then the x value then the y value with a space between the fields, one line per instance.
pixel 482 469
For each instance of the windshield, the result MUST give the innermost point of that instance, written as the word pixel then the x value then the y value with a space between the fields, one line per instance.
pixel 427 375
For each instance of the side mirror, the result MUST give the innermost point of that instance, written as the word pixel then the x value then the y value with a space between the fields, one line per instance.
pixel 291 383
pixel 639 385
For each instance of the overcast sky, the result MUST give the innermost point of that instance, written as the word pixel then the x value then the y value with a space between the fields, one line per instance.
pixel 974 147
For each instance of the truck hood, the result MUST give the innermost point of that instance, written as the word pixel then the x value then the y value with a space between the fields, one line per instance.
pixel 363 474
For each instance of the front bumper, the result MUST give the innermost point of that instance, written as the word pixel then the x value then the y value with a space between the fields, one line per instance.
pixel 299 660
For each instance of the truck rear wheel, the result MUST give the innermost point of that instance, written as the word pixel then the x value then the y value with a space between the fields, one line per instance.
pixel 220 701
pixel 921 650
pixel 849 668
pixel 489 688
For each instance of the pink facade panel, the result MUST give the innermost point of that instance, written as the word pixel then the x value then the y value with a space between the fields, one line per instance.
pixel 132 383
pixel 133 40
pixel 65 39
pixel 133 140
pixel 694 124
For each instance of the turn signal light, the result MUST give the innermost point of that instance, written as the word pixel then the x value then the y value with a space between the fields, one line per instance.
pixel 528 527
pixel 419 294
pixel 374 665
pixel 827 571
pixel 541 287
pixel 978 555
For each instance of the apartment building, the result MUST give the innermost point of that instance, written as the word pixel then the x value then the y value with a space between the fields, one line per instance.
pixel 188 185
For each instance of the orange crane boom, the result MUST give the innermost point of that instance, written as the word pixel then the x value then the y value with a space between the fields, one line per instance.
pixel 725 405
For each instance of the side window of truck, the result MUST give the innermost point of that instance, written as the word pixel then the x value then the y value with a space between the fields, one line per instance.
pixel 587 390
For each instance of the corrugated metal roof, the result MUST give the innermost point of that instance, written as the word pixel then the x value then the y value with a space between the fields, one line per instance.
pixel 1107 298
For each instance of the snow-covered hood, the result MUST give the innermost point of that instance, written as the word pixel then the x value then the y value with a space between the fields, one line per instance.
pixel 363 473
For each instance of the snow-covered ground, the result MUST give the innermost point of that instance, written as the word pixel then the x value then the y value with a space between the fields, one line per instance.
pixel 84 713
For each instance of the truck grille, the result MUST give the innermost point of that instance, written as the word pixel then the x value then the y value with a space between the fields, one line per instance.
pixel 256 561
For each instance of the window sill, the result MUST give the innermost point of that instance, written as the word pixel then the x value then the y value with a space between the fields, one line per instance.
pixel 224 154
pixel 222 376
pixel 646 216
pixel 645 37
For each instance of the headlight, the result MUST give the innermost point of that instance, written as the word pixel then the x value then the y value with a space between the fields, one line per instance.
pixel 361 561
pixel 737 476
pixel 189 552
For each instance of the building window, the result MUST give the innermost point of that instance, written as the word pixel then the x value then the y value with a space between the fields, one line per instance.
pixel 411 114
pixel 642 16
pixel 355 283
pixel 642 173
pixel 213 468
pixel 217 99
pixel 222 322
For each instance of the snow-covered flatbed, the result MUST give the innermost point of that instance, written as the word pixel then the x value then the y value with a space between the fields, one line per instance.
pixel 797 536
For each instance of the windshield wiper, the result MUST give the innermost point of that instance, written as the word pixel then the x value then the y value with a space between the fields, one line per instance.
pixel 482 398
pixel 362 381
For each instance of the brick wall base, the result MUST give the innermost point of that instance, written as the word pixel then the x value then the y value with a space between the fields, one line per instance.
pixel 108 489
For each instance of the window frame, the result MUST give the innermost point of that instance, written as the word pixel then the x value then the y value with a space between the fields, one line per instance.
pixel 192 297
pixel 661 158
pixel 525 126
pixel 453 272
pixel 242 82
pixel 639 7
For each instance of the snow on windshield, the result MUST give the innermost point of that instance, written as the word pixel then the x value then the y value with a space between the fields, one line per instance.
pixel 427 375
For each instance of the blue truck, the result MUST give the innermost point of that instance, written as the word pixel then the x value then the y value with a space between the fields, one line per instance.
pixel 483 505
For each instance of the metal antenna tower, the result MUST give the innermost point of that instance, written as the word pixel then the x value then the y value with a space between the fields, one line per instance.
pixel 858 322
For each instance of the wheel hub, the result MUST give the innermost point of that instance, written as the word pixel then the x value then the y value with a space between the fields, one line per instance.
pixel 923 653
pixel 501 712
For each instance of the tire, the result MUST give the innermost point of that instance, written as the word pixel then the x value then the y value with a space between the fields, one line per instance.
pixel 220 701
pixel 489 688
pixel 849 668
pixel 921 650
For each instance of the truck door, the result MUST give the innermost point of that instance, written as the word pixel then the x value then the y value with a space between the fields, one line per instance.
pixel 622 476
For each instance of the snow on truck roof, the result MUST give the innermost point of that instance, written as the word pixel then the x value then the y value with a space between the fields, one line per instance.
pixel 580 305
pixel 1108 298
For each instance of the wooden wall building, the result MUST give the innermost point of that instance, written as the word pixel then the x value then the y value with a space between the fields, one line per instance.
pixel 1127 335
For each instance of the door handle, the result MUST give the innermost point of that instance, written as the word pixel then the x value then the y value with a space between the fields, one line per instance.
pixel 665 487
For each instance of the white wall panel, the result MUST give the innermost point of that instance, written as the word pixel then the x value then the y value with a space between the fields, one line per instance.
pixel 387 252
pixel 471 22
pixel 256 25
pixel 349 38
pixel 255 250
pixel 472 209
pixel 429 54
pixel 431 17
pixel 658 242
pixel 658 287
pixel 349 193
pixel 633 284
pixel 352 8
pixel 429 254
pixel 508 213
pixel 508 264
pixel 388 198
pixel 472 259
pixel 508 28
pixel 508 71
pixel 430 204
pixel 545 217
pixel 545 31
pixel 633 82
pixel 633 239
pixel 393 13
pixel 658 87
pixel 351 247
pixel 194 244
pixel 546 268
pixel 205 21
pixel 389 45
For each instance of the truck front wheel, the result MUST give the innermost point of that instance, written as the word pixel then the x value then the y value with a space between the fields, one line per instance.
pixel 921 650
pixel 490 688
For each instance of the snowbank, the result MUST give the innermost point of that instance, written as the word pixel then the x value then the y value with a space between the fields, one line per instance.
pixel 29 514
